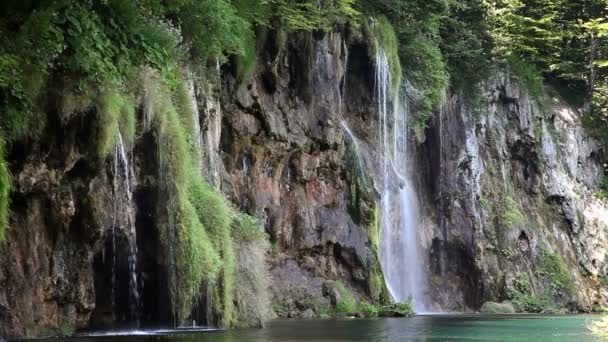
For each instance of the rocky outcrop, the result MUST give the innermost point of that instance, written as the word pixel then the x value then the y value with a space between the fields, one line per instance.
pixel 507 183
pixel 286 159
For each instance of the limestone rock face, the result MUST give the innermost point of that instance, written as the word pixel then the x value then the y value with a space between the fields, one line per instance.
pixel 505 182
pixel 286 156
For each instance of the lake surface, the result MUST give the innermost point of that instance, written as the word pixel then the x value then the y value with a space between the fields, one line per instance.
pixel 432 328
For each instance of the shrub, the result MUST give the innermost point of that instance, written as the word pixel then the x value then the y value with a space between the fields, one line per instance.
pixel 533 303
pixel 427 72
pixel 520 294
pixel 402 309
pixel 529 76
pixel 369 310
pixel 347 304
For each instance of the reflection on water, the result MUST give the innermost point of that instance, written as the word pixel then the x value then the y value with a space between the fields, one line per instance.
pixel 434 328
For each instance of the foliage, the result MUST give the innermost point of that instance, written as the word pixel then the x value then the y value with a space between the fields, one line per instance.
pixel 520 294
pixel 533 303
pixel 369 310
pixel 116 114
pixel 312 15
pixel 553 268
pixel 347 304
pixel 195 257
pixel 402 309
pixel 497 308
pixel 510 214
pixel 466 45
pixel 252 276
pixel 425 68
pixel 385 39
pixel 529 76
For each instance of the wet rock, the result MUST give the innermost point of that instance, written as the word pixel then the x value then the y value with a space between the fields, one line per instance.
pixel 332 293
pixel 308 313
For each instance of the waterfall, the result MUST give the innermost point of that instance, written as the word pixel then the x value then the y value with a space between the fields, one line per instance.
pixel 400 251
pixel 123 207
pixel 356 150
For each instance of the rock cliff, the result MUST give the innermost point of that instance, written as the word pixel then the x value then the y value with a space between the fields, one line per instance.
pixel 502 187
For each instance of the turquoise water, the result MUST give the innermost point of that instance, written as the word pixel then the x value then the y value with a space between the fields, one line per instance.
pixel 433 328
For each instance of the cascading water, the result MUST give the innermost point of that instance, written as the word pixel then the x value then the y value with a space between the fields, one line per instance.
pixel 400 251
pixel 123 205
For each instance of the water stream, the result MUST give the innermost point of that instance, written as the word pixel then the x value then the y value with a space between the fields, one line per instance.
pixel 400 251
pixel 123 208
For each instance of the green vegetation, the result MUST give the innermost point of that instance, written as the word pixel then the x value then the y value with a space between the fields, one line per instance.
pixel 510 214
pixel 369 310
pixel 382 35
pixel 528 76
pixel 116 114
pixel 404 309
pixel 521 295
pixel 497 308
pixel 553 268
pixel 309 15
pixel 346 304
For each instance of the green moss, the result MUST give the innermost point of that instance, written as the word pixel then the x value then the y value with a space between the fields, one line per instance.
pixel 5 190
pixel 247 61
pixel 553 268
pixel 201 219
pixel 377 286
pixel 510 214
pixel 385 38
pixel 115 112
pixel 197 260
pixel 347 304
pixel 197 257
pixel 183 105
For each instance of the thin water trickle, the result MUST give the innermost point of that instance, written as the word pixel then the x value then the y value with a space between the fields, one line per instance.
pixel 400 251
pixel 123 205
pixel 357 150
